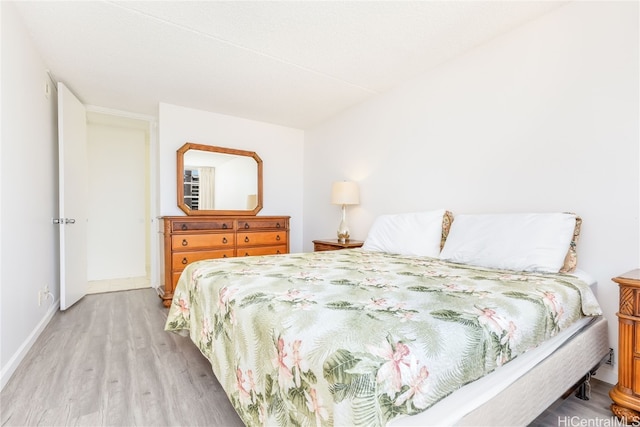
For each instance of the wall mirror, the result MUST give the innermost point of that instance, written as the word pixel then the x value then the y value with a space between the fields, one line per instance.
pixel 218 181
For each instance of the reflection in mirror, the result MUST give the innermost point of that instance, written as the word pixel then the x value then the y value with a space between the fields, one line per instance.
pixel 218 181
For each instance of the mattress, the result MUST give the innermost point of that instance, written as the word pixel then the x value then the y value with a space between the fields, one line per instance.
pixel 519 391
pixel 524 400
pixel 345 336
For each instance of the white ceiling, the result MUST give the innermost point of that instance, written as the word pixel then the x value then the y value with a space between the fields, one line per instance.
pixel 293 63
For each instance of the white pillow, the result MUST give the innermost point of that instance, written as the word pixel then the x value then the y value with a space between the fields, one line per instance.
pixel 414 234
pixel 522 242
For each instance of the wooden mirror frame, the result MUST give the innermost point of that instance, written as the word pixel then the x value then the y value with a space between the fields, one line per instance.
pixel 180 179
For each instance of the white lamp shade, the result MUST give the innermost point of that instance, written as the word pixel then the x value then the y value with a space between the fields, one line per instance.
pixel 345 193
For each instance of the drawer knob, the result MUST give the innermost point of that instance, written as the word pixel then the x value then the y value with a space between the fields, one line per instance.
pixel 184 226
pixel 184 261
pixel 246 254
pixel 246 225
pixel 224 240
pixel 278 251
pixel 224 256
pixel 246 239
pixel 224 226
pixel 277 225
pixel 184 242
pixel 278 237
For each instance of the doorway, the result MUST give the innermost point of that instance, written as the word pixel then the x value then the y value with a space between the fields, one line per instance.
pixel 119 225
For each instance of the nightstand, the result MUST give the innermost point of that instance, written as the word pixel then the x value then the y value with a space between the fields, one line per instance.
pixel 334 244
pixel 626 394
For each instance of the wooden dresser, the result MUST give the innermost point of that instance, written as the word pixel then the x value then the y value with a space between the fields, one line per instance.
pixel 626 394
pixel 193 238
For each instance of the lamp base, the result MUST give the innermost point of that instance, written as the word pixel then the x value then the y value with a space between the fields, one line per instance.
pixel 343 237
pixel 343 230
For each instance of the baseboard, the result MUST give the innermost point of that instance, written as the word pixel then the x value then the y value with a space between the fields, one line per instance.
pixel 607 374
pixel 114 285
pixel 14 362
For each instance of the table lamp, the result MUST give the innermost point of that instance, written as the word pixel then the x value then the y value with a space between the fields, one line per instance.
pixel 344 193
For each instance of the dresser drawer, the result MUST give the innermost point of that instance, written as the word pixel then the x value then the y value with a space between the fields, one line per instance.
pixel 187 239
pixel 219 224
pixel 263 238
pixel 262 250
pixel 262 223
pixel 181 259
pixel 187 242
pixel 319 247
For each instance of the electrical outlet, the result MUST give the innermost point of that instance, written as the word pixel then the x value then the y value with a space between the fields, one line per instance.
pixel 609 358
pixel 43 294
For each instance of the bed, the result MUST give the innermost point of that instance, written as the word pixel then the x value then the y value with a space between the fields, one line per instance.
pixel 404 335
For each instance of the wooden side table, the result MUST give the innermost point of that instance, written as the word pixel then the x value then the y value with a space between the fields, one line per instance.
pixel 626 394
pixel 334 244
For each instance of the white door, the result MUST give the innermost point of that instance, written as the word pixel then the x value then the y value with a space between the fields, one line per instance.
pixel 73 191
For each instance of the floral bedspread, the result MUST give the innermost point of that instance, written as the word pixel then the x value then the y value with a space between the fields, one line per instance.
pixel 352 337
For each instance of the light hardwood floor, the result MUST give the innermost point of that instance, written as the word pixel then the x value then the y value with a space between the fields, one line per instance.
pixel 108 361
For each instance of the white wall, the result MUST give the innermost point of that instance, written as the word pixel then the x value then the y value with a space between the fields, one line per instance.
pixel 117 203
pixel 544 118
pixel 280 148
pixel 235 181
pixel 28 195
